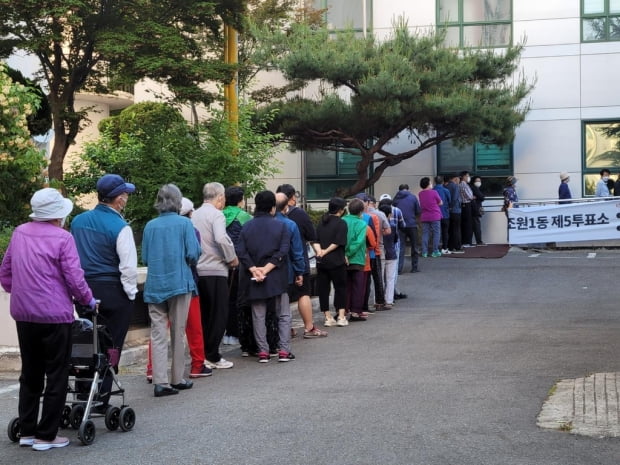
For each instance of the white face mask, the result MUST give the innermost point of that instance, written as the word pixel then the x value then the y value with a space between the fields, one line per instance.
pixel 605 178
pixel 478 184
pixel 62 222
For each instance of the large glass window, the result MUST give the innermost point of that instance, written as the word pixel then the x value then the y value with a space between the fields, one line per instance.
pixel 492 163
pixel 328 172
pixel 345 14
pixel 600 20
pixel 601 141
pixel 476 23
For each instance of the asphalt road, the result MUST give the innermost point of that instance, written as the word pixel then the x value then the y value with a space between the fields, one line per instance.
pixel 454 375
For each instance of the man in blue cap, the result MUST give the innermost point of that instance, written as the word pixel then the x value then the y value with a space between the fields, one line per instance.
pixel 108 256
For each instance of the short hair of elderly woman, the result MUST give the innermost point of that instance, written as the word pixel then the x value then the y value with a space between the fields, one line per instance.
pixel 169 199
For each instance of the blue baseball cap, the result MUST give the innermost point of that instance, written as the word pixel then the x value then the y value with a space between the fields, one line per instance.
pixel 113 185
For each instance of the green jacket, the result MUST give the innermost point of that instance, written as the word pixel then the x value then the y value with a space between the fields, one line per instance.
pixel 356 240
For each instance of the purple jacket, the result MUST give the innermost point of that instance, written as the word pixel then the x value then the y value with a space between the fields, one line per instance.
pixel 41 270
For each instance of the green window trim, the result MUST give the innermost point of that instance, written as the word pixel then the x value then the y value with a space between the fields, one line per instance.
pixel 463 26
pixel 600 20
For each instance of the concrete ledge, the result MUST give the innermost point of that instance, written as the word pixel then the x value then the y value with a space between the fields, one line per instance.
pixel 588 406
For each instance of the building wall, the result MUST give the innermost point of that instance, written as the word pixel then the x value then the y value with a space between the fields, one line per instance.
pixel 574 81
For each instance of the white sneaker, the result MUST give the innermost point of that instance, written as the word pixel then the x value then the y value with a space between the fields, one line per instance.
pixel 342 322
pixel 221 365
pixel 58 441
pixel 330 322
pixel 445 252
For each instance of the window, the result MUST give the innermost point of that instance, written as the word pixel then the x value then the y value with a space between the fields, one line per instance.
pixel 600 150
pixel 600 20
pixel 491 162
pixel 327 172
pixel 344 14
pixel 476 23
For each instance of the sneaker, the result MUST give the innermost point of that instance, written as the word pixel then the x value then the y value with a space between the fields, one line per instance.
pixel 342 322
pixel 330 322
pixel 204 371
pixel 285 356
pixel 387 307
pixel 424 255
pixel 221 365
pixel 314 333
pixel 436 254
pixel 58 441
pixel 457 251
pixel 263 357
pixel 445 252
pixel 467 246
pixel 26 441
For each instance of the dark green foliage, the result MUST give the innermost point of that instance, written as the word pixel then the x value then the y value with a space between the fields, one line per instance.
pixel 409 86
pixel 150 144
pixel 98 45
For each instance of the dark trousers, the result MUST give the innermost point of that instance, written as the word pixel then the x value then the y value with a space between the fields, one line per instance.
pixel 232 326
pixel 324 280
pixel 45 351
pixel 246 329
pixel 412 235
pixel 466 224
pixel 377 279
pixel 454 238
pixel 213 291
pixel 115 311
pixel 445 232
pixel 356 286
pixel 475 221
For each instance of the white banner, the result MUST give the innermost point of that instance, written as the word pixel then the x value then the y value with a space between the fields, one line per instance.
pixel 578 221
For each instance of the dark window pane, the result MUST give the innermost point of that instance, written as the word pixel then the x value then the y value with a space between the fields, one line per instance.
pixel 492 158
pixel 324 189
pixel 320 163
pixel 347 163
pixel 453 159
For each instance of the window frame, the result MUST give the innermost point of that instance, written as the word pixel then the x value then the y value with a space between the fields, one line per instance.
pixel 462 24
pixel 606 15
pixel 489 178
pixel 345 179
pixel 593 173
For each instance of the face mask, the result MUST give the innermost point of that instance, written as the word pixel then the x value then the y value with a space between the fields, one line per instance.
pixel 62 222
pixel 478 184
pixel 605 178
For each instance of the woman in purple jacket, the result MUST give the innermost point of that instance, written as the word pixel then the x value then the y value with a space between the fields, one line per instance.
pixel 41 270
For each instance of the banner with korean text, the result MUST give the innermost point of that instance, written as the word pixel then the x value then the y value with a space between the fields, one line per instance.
pixel 578 221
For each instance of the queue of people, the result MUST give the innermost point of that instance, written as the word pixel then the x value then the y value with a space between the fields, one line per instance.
pixel 215 275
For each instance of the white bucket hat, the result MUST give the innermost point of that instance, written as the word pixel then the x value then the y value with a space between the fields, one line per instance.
pixel 49 204
pixel 187 206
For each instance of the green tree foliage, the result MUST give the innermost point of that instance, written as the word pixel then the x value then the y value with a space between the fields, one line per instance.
pixel 367 93
pixel 150 144
pixel 95 45
pixel 21 162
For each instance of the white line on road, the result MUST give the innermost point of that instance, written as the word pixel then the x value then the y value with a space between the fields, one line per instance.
pixel 592 255
pixel 534 255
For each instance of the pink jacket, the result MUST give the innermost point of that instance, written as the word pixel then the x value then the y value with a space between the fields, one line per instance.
pixel 41 270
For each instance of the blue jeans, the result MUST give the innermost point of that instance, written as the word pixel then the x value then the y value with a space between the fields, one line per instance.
pixel 427 227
